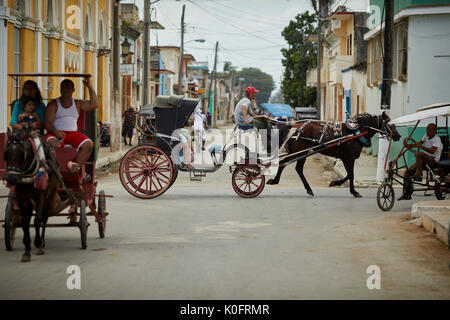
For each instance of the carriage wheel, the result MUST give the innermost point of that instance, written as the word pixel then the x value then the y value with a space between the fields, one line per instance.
pixel 82 224
pixel 175 174
pixel 146 172
pixel 247 181
pixel 101 208
pixel 10 229
pixel 385 196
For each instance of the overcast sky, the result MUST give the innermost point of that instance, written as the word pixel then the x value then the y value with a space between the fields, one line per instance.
pixel 248 31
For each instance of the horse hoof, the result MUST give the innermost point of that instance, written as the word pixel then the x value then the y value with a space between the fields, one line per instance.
pixel 357 195
pixel 310 192
pixel 272 182
pixel 332 184
pixel 40 252
pixel 26 258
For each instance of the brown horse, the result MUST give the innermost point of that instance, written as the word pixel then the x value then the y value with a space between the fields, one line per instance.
pixel 35 185
pixel 348 151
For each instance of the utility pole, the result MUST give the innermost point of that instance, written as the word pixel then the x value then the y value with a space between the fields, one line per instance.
pixel 116 114
pixel 147 5
pixel 210 84
pixel 387 59
pixel 319 50
pixel 386 86
pixel 302 72
pixel 180 71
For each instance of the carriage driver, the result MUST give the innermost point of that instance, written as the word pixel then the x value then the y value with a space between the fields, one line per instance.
pixel 431 145
pixel 61 116
pixel 244 115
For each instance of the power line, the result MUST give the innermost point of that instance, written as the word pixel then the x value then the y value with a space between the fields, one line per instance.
pixel 242 12
pixel 215 15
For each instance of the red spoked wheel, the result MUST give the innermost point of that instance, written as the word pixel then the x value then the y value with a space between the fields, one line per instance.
pixel 247 181
pixel 146 172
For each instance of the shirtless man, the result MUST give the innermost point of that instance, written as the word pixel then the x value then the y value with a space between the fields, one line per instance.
pixel 61 116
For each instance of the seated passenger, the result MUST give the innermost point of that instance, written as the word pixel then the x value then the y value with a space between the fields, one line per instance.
pixel 29 118
pixel 30 90
pixel 186 143
pixel 61 117
pixel 430 156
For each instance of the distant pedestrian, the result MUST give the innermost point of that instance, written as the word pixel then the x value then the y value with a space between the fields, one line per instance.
pixel 129 123
pixel 209 118
pixel 199 129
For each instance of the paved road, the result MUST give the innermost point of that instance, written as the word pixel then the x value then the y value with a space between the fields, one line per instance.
pixel 201 241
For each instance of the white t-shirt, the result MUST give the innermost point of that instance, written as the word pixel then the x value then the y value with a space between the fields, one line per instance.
pixel 198 121
pixel 433 142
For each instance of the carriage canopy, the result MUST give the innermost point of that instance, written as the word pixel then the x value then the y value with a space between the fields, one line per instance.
pixel 436 110
pixel 173 112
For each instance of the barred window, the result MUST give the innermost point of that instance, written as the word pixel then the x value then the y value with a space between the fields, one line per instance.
pixel 403 50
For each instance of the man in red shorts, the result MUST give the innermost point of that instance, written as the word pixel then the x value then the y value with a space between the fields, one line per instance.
pixel 61 116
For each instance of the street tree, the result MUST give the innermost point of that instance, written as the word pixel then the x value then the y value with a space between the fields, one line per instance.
pixel 300 55
pixel 258 79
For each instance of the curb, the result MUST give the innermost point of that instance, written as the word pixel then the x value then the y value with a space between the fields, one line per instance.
pixel 109 160
pixel 422 207
pixel 435 217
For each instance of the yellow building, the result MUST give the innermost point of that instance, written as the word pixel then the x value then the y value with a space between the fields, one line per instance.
pixel 55 36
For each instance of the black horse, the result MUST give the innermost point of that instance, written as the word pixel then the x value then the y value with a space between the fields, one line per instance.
pixel 348 151
pixel 35 185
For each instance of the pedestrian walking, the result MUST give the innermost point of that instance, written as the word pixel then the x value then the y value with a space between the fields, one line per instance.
pixel 199 129
pixel 129 123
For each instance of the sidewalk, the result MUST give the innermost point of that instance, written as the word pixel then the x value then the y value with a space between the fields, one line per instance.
pixel 107 157
pixel 433 216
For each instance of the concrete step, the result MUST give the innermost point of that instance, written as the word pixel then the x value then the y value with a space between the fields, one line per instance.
pixel 435 217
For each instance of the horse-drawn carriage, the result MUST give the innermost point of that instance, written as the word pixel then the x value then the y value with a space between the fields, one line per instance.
pixel 76 191
pixel 150 169
pixel 437 177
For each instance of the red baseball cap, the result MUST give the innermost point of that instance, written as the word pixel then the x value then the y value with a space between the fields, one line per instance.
pixel 250 90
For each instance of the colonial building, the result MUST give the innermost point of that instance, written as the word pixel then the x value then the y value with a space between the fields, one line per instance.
pixel 343 61
pixel 170 56
pixel 197 76
pixel 55 36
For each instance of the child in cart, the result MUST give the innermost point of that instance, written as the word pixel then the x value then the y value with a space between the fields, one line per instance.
pixel 28 119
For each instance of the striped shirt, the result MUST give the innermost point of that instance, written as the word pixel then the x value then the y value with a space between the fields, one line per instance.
pixel 130 118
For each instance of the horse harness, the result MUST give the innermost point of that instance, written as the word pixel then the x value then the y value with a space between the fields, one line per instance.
pixel 336 128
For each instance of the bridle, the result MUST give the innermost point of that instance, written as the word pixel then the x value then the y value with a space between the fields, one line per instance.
pixel 28 175
pixel 381 124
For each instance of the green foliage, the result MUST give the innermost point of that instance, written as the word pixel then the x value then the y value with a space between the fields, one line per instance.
pixel 298 58
pixel 311 97
pixel 258 79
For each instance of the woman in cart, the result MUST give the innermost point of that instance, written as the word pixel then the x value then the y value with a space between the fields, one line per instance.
pixel 30 90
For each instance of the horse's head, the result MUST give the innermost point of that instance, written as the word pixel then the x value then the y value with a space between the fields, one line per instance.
pixel 19 156
pixel 389 129
pixel 378 124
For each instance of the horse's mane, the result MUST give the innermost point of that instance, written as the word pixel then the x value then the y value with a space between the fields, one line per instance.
pixel 364 119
